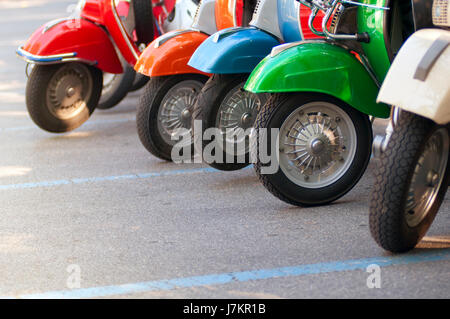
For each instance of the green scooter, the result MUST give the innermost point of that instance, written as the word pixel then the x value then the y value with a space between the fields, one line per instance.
pixel 323 98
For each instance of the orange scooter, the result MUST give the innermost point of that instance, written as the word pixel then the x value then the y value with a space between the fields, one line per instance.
pixel 168 98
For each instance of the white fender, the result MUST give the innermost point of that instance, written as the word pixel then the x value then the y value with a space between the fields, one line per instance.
pixel 419 78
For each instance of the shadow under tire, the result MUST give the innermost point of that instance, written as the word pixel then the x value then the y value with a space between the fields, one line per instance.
pixel 389 204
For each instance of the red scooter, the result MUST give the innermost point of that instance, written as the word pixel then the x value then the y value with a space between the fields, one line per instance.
pixel 70 55
pixel 168 16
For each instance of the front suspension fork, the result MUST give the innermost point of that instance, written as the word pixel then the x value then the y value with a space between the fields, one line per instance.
pixel 380 142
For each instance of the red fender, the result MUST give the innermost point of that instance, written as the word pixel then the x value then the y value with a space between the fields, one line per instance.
pixel 82 39
pixel 170 54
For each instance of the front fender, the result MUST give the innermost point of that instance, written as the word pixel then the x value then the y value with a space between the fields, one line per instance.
pixel 234 50
pixel 170 53
pixel 71 40
pixel 318 67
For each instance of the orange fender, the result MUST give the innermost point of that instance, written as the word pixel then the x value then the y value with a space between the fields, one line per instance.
pixel 169 54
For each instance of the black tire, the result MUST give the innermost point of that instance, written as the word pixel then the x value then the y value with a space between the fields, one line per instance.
pixel 148 109
pixel 140 81
pixel 114 92
pixel 38 104
pixel 394 173
pixel 143 14
pixel 273 114
pixel 207 107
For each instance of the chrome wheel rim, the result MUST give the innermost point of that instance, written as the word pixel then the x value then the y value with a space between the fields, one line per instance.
pixel 175 112
pixel 69 90
pixel 237 113
pixel 317 145
pixel 427 178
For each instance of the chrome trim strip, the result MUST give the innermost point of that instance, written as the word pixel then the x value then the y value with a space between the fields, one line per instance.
pixel 227 32
pixel 54 23
pixel 51 59
pixel 234 13
pixel 43 58
pixel 283 47
pixel 122 30
pixel 170 35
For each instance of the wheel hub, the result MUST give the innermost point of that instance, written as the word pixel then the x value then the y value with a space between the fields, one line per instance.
pixel 314 144
pixel 236 114
pixel 317 144
pixel 246 120
pixel 427 178
pixel 175 110
pixel 185 116
pixel 432 178
pixel 69 90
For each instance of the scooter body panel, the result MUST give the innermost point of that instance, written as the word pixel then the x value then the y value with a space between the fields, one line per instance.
pixel 234 50
pixel 418 81
pixel 239 50
pixel 374 22
pixel 289 20
pixel 117 30
pixel 317 66
pixel 205 17
pixel 170 54
pixel 93 11
pixel 183 18
pixel 72 40
pixel 228 13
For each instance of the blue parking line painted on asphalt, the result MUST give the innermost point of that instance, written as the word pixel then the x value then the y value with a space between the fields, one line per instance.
pixel 76 181
pixel 244 276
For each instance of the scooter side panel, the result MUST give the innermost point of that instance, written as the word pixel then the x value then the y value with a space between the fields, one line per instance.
pixel 235 50
pixel 170 54
pixel 87 41
pixel 318 67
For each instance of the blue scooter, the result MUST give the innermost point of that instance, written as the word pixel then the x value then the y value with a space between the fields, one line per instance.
pixel 231 55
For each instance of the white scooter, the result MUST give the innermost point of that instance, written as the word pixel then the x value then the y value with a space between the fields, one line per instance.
pixel 413 172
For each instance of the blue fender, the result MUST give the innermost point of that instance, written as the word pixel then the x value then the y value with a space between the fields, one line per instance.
pixel 233 50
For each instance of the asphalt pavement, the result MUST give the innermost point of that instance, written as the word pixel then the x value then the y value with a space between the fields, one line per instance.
pixel 91 214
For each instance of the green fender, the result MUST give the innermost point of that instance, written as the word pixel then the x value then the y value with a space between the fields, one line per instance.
pixel 318 67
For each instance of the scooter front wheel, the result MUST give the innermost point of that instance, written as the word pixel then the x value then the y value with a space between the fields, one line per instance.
pixel 164 108
pixel 411 181
pixel 224 105
pixel 62 97
pixel 322 150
